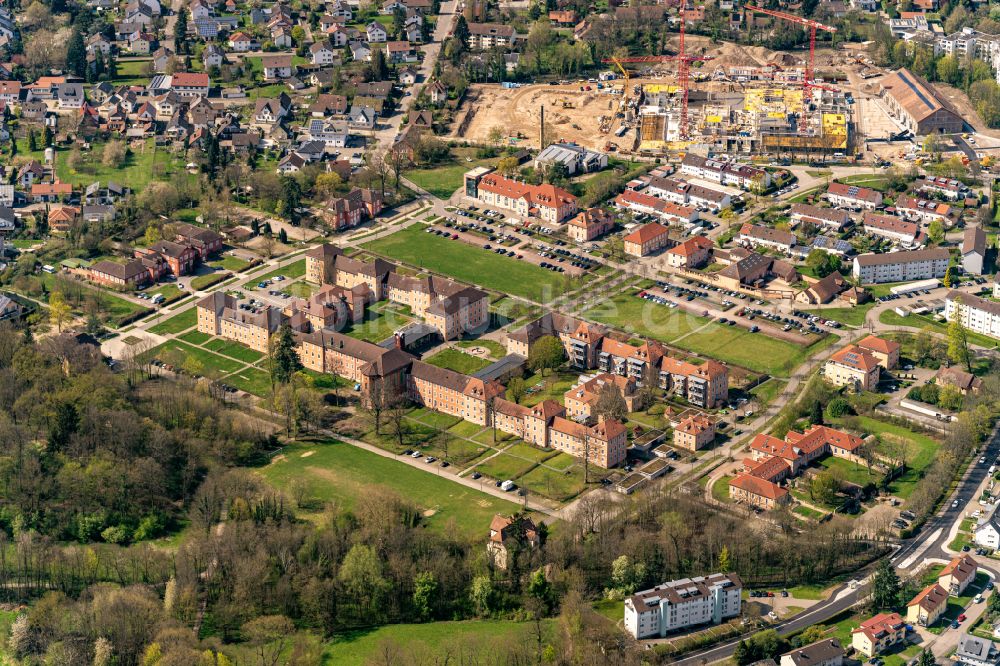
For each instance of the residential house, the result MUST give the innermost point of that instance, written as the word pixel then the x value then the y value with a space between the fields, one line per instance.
pixel 928 606
pixel 827 652
pixel 886 351
pixel 879 633
pixel 966 382
pixel 823 218
pixel 976 651
pixel 508 536
pixel 753 235
pixel 854 367
pixel 486 36
pixel 694 433
pixel 276 66
pixel 973 250
pixel 901 266
pixel 757 492
pixel 957 574
pixel 647 239
pixel 375 33
pixel 590 224
pixel 547 202
pixel 853 197
pixel 896 229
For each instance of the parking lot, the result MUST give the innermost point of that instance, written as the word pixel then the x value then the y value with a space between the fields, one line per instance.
pixel 493 238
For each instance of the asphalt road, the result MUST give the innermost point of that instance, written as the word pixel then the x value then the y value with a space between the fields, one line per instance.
pixel 929 544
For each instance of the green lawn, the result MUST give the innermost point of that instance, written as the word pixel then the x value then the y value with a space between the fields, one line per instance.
pixel 854 316
pixel 139 169
pixel 890 318
pixel 170 292
pixel 194 359
pixel 230 263
pixel 558 485
pixel 870 180
pixel 459 361
pixel 550 387
pixel 301 289
pixel 469 264
pixel 296 269
pixel 251 380
pixel 177 323
pixel 919 454
pixel 377 326
pixel 720 489
pixel 441 180
pixel 334 471
pixel 807 512
pixel 810 592
pixel 362 647
pixel 732 344
pixel 205 281
pixel 497 350
pixel 234 350
pixel 195 337
pixel 766 392
pixel 630 313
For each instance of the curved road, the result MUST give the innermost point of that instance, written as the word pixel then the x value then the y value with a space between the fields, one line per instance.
pixel 930 543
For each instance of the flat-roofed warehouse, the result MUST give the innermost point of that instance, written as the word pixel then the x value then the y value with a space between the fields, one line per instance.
pixel 920 107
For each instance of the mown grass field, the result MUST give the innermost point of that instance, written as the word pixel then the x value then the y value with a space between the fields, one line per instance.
pixel 458 360
pixel 334 471
pixel 469 264
pixel 732 344
pixel 195 359
pixel 434 638
pixel 177 323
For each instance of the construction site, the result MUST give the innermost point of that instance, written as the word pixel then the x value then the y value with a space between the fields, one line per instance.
pixel 720 98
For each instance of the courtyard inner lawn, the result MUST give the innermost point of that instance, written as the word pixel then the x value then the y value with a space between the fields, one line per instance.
pixel 459 361
pixel 377 326
pixel 177 323
pixel 338 472
pixel 359 648
pixel 469 264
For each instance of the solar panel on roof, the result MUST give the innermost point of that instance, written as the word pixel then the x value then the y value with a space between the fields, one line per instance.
pixel 852 191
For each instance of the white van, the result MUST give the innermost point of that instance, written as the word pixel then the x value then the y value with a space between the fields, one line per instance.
pixel 507 486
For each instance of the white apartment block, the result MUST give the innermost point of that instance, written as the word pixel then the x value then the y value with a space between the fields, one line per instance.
pixel 683 603
pixel 976 314
pixel 901 266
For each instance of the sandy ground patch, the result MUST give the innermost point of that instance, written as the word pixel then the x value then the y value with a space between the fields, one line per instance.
pixel 306 454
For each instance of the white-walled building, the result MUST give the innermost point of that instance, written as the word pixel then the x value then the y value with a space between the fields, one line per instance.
pixel 683 603
pixel 901 266
pixel 976 314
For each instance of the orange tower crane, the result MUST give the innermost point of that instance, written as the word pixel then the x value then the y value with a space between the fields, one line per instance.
pixel 683 69
pixel 807 82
